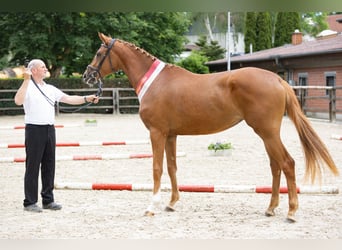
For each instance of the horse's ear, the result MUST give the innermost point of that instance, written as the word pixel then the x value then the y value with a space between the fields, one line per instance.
pixel 101 36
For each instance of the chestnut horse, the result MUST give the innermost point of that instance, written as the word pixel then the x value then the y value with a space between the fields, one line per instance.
pixel 174 101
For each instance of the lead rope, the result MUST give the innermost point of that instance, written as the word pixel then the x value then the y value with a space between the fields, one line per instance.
pixel 98 93
pixel 53 104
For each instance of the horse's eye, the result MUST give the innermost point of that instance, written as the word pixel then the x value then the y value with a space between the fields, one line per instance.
pixel 98 54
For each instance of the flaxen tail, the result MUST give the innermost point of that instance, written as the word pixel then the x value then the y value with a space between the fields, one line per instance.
pixel 315 152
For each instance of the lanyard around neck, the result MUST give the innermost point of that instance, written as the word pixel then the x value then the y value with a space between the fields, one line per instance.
pixel 51 102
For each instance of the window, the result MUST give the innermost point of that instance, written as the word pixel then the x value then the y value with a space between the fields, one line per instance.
pixel 330 80
pixel 303 81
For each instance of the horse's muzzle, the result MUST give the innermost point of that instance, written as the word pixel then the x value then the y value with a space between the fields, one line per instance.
pixel 91 76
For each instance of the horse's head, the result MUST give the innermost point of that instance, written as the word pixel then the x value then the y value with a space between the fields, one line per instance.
pixel 101 64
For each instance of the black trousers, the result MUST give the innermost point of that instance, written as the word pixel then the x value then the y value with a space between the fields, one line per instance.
pixel 40 147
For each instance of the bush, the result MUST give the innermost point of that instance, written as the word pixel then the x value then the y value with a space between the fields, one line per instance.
pixel 195 63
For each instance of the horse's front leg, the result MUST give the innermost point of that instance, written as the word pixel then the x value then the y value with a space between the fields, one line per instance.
pixel 170 149
pixel 158 145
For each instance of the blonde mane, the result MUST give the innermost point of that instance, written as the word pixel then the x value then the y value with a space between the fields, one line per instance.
pixel 142 51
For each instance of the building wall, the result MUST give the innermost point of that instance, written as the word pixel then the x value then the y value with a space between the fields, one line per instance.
pixel 317 77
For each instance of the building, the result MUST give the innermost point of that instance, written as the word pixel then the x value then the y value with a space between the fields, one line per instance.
pixel 316 62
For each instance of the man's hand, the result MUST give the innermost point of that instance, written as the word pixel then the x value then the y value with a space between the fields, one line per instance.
pixel 27 74
pixel 93 98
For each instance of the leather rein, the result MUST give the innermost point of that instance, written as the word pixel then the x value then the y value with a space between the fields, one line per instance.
pixel 95 73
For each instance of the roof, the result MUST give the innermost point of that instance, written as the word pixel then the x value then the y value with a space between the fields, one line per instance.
pixel 306 48
pixel 335 22
pixel 326 33
pixel 190 47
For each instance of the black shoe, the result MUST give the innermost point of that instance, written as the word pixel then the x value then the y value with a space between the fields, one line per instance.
pixel 52 206
pixel 33 208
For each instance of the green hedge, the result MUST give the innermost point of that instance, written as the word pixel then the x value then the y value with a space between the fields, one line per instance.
pixel 61 83
pixel 67 83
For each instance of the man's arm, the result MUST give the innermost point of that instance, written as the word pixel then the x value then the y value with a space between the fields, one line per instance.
pixel 21 93
pixel 76 99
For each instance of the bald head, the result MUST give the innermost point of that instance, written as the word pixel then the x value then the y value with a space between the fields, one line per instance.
pixel 38 69
pixel 35 63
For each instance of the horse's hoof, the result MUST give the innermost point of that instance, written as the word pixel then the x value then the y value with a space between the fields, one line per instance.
pixel 269 213
pixel 149 213
pixel 291 219
pixel 169 209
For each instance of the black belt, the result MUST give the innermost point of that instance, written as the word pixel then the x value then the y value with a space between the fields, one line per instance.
pixel 39 125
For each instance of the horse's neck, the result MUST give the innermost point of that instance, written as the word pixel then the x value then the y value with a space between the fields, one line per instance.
pixel 134 62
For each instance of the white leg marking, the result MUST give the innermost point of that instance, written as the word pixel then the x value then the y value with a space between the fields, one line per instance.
pixel 155 203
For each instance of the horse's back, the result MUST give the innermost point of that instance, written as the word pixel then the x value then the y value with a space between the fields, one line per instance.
pixel 208 103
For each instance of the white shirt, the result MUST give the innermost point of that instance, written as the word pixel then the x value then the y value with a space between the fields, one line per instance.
pixel 38 109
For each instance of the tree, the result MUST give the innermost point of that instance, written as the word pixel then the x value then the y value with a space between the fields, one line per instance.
pixel 54 37
pixel 207 23
pixel 195 63
pixel 160 33
pixel 212 51
pixel 286 24
pixel 4 42
pixel 264 31
pixel 68 41
pixel 250 31
pixel 314 22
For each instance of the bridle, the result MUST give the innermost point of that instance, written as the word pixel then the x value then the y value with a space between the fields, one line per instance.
pixel 95 71
pixel 96 75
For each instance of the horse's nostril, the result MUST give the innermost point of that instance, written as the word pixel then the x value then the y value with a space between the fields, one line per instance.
pixel 84 77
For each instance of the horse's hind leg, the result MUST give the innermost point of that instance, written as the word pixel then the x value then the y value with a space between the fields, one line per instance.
pixel 170 149
pixel 280 160
pixel 276 174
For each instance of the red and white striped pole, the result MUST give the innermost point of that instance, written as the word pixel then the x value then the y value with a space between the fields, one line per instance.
pixel 196 188
pixel 336 137
pixel 91 157
pixel 56 126
pixel 80 144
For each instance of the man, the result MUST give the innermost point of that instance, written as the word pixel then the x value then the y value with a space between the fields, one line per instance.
pixel 38 99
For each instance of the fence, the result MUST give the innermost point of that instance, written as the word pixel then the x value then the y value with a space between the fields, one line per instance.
pixel 320 101
pixel 316 101
pixel 113 101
